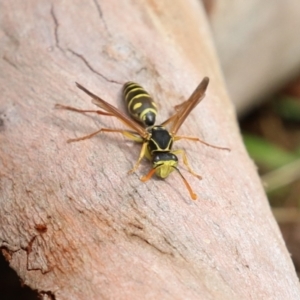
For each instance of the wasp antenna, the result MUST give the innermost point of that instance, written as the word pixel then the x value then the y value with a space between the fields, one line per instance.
pixel 148 176
pixel 193 195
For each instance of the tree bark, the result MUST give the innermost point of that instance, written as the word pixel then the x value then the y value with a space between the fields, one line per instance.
pixel 73 224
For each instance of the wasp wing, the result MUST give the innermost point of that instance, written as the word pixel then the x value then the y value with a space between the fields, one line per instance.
pixel 183 110
pixel 115 112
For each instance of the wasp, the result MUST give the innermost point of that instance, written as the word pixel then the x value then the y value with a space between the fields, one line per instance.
pixel 156 140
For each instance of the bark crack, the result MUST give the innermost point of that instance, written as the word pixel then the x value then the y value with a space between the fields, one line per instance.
pixel 56 26
pixel 135 235
pixel 137 229
pixel 100 13
pixel 6 59
pixel 98 8
pixel 89 66
pixel 1 124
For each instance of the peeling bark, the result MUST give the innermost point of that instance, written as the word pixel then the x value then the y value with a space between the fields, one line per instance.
pixel 73 224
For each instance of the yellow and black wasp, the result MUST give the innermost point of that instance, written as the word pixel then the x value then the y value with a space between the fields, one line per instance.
pixel 157 140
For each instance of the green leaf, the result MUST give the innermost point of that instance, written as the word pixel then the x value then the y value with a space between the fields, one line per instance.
pixel 267 154
pixel 288 108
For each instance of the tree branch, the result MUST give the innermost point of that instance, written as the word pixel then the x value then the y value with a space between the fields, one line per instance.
pixel 73 224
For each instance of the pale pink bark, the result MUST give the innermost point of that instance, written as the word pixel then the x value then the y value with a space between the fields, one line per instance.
pixel 73 224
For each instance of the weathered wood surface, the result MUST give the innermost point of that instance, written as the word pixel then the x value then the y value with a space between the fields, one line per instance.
pixel 258 45
pixel 73 224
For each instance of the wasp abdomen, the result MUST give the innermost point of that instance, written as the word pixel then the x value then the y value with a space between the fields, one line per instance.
pixel 139 103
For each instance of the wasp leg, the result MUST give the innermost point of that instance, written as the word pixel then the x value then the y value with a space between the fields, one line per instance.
pixel 132 136
pixel 99 112
pixel 142 154
pixel 84 137
pixel 196 139
pixel 128 134
pixel 185 161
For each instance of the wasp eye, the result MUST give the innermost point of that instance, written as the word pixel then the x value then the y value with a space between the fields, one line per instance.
pixel 156 158
pixel 174 157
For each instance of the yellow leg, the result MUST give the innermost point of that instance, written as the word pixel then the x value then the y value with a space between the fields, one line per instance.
pixel 132 136
pixel 128 134
pixel 185 161
pixel 196 139
pixel 142 154
pixel 99 112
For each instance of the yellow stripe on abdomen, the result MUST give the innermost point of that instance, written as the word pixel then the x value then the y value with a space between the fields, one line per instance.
pixel 139 103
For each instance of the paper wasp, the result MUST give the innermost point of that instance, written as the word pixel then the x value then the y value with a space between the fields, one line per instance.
pixel 157 141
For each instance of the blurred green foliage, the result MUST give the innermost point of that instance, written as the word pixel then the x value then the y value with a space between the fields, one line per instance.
pixel 288 108
pixel 267 155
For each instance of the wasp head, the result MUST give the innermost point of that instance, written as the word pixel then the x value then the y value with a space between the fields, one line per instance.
pixel 164 163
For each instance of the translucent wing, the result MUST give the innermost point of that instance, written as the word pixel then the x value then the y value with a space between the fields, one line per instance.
pixel 183 110
pixel 115 112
